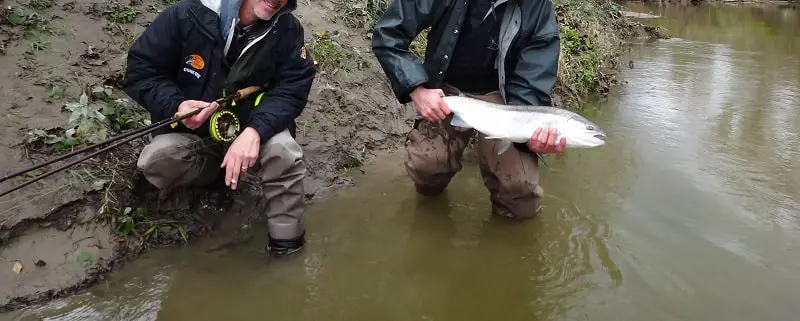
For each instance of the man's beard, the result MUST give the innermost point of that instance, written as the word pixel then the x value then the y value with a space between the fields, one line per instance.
pixel 268 16
pixel 265 16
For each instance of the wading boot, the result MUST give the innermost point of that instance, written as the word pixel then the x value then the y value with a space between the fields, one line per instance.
pixel 429 190
pixel 281 248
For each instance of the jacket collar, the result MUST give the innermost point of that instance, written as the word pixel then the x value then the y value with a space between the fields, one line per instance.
pixel 228 12
pixel 494 6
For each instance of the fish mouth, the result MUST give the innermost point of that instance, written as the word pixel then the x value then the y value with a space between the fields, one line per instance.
pixel 600 137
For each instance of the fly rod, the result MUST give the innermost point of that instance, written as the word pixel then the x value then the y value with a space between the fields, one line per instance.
pixel 87 148
pixel 130 136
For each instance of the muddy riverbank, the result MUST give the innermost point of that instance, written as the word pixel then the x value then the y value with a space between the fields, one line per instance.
pixel 62 63
pixel 690 211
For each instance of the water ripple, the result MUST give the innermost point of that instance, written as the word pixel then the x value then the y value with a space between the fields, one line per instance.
pixel 136 299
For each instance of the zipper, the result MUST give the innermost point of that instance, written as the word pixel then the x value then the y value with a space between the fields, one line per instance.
pixel 202 27
pixel 266 33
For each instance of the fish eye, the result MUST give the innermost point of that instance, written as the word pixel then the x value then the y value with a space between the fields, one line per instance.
pixel 589 127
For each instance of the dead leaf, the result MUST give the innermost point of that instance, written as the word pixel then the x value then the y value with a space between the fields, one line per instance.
pixel 17 267
pixel 96 62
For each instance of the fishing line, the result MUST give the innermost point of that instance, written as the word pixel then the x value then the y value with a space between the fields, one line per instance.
pixel 32 200
pixel 29 195
pixel 194 149
pixel 246 179
pixel 138 133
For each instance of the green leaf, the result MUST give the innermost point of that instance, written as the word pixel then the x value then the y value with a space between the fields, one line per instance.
pixel 99 115
pixel 97 90
pixel 56 92
pixel 16 17
pixel 84 258
pixel 66 144
pixel 74 116
pixel 124 226
pixel 141 212
pixel 109 109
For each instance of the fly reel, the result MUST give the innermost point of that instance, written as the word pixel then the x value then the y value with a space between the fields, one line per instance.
pixel 223 126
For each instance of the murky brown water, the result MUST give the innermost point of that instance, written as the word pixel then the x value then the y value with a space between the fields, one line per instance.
pixel 690 212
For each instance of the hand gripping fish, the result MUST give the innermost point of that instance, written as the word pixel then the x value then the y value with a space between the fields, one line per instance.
pixel 516 124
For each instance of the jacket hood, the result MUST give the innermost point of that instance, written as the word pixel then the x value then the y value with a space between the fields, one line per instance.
pixel 228 11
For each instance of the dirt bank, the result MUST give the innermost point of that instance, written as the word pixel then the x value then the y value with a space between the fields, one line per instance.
pixel 62 63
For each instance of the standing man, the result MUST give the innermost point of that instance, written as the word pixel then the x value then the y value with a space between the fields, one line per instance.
pixel 503 51
pixel 197 51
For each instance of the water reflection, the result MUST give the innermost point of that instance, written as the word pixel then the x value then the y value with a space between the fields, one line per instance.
pixel 136 296
pixel 770 28
pixel 690 212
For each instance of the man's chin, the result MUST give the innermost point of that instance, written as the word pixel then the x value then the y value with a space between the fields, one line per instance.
pixel 264 15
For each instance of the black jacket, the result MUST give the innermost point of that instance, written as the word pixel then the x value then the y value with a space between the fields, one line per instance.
pixel 181 56
pixel 527 57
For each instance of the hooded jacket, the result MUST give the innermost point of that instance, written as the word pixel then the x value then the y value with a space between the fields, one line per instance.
pixel 181 56
pixel 528 49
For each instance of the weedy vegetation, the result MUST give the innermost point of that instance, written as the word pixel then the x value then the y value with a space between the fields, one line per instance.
pixel 592 33
pixel 331 55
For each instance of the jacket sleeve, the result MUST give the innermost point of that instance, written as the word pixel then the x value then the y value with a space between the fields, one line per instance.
pixel 151 66
pixel 391 37
pixel 536 69
pixel 278 106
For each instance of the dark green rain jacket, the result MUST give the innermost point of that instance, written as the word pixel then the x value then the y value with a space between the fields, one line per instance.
pixel 528 51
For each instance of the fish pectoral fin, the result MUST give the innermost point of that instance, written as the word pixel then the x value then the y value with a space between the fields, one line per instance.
pixel 502 145
pixel 457 121
pixel 541 158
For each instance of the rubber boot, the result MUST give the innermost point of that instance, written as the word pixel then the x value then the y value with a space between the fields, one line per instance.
pixel 281 248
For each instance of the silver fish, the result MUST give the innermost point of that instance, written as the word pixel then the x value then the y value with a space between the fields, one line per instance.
pixel 516 124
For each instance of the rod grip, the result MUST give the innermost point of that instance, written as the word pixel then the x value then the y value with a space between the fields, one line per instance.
pixel 247 91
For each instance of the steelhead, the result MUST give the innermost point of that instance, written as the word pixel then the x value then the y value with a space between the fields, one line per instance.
pixel 516 123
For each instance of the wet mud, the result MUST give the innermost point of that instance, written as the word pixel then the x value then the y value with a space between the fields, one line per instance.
pixel 62 63
pixel 70 228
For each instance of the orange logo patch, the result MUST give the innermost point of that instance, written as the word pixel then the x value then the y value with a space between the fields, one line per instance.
pixel 196 61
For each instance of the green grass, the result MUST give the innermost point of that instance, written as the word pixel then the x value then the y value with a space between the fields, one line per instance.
pixel 331 55
pixel 591 38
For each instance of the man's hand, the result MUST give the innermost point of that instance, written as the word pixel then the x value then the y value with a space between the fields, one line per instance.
pixel 429 103
pixel 198 119
pixel 544 142
pixel 241 155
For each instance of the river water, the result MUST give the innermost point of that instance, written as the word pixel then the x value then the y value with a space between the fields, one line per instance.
pixel 690 212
